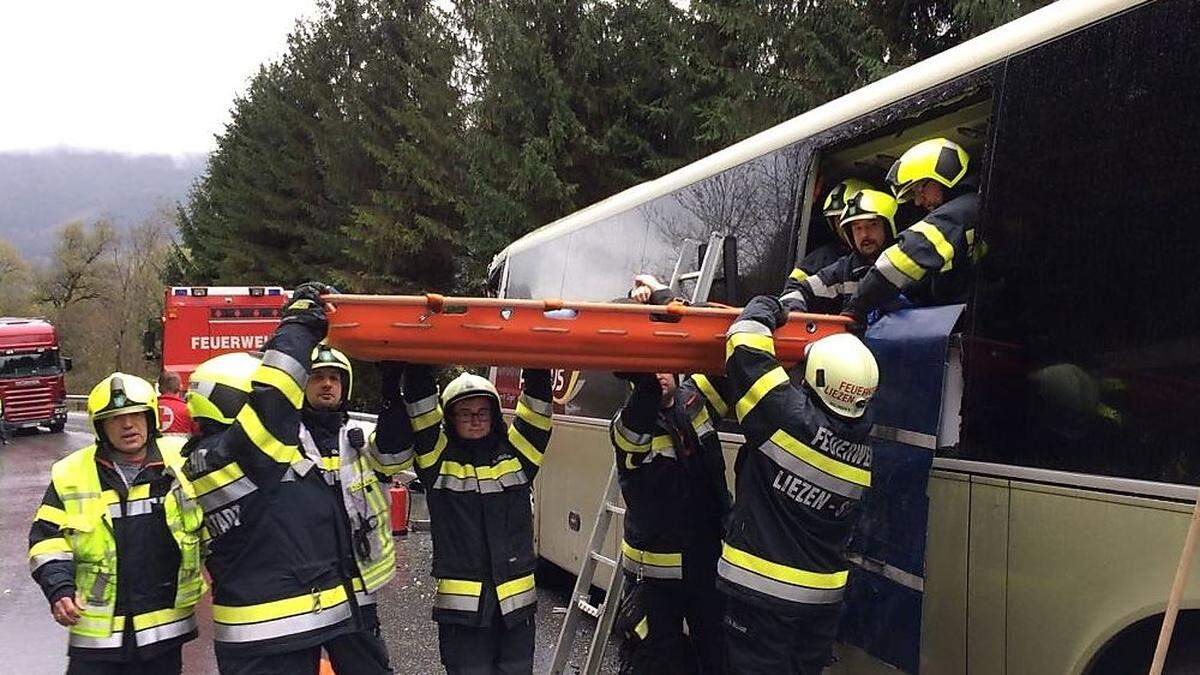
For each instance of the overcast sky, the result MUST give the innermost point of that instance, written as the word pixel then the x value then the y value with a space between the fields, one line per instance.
pixel 135 76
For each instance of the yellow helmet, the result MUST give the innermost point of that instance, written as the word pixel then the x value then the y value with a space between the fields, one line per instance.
pixel 466 386
pixel 219 387
pixel 869 204
pixel 835 201
pixel 324 356
pixel 121 393
pixel 842 372
pixel 937 159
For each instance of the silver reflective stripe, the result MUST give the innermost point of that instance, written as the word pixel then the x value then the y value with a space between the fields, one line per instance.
pixel 748 326
pixel 292 625
pixel 704 429
pixel 631 435
pixel 215 499
pixel 110 642
pixel 651 571
pixel 203 387
pixel 281 361
pixel 515 602
pixel 809 472
pixel 847 287
pixel 537 405
pixel 819 288
pixel 669 452
pixel 778 589
pixel 80 495
pixel 460 603
pixel 175 629
pixel 896 277
pixel 792 295
pixel 393 458
pixel 38 560
pixel 137 507
pixel 425 405
pixel 363 598
pixel 484 485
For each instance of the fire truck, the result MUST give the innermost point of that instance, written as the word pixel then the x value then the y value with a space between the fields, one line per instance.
pixel 200 322
pixel 31 375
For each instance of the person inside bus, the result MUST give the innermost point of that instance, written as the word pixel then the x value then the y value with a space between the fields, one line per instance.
pixel 829 253
pixel 868 222
pixel 804 467
pixel 672 477
pixel 281 589
pixel 358 470
pixel 172 409
pixel 116 542
pixel 478 474
pixel 931 262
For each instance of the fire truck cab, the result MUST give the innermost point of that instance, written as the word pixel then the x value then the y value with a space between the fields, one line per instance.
pixel 200 322
pixel 32 390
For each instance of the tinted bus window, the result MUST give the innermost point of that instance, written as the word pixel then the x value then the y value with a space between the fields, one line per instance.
pixel 1085 354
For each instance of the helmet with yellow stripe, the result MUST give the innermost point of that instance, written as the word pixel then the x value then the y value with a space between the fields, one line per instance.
pixel 835 201
pixel 937 159
pixel 324 356
pixel 842 372
pixel 120 394
pixel 220 386
pixel 867 204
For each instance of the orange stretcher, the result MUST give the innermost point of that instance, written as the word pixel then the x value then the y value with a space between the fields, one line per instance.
pixel 551 333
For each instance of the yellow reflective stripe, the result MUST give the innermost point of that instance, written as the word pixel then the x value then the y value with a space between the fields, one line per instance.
pixel 281 381
pixel 649 558
pixel 825 463
pixel 457 470
pixel 51 514
pixel 278 609
pixel 529 415
pixel 331 463
pixel 422 422
pixel 700 419
pixel 643 627
pixel 524 446
pixel 268 444
pixel 514 587
pixel 773 378
pixel 627 445
pixel 935 237
pixel 763 343
pixel 907 266
pixel 51 545
pixel 218 479
pixel 459 587
pixel 495 471
pixel 790 575
pixel 430 458
pixel 798 275
pixel 162 616
pixel 710 393
pixel 659 443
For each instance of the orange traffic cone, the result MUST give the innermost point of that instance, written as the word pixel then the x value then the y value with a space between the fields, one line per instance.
pixel 326 667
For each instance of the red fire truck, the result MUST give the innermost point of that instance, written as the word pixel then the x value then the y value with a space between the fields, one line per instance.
pixel 200 322
pixel 31 375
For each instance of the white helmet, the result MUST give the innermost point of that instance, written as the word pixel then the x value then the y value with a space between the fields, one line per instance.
pixel 467 386
pixel 843 373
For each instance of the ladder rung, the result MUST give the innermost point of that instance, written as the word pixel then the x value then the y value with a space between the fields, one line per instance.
pixel 602 558
pixel 589 609
pixel 613 508
pixel 687 276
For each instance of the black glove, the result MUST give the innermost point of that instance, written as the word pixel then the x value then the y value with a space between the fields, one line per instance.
pixel 305 308
pixel 390 375
pixel 857 325
pixel 765 309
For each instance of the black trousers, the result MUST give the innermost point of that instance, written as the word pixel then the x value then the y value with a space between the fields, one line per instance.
pixel 650 624
pixel 302 662
pixel 169 662
pixel 494 649
pixel 770 642
pixel 363 652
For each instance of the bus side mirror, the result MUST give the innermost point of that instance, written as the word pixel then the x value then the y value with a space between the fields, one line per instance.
pixel 68 364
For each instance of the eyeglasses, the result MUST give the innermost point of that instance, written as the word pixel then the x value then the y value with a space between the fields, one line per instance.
pixel 466 416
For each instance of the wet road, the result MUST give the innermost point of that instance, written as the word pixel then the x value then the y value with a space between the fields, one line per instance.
pixel 33 643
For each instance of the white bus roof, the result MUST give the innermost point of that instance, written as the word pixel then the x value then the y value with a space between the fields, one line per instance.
pixel 1032 29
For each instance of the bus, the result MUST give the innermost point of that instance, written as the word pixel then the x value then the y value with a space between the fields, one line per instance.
pixel 1038 448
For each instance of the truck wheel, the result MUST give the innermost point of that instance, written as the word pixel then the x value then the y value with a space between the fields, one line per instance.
pixel 57 427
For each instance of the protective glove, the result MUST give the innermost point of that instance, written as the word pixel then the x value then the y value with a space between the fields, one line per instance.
pixel 857 325
pixel 390 375
pixel 305 308
pixel 765 309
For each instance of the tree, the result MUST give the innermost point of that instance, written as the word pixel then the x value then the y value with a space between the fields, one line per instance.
pixel 14 281
pixel 78 270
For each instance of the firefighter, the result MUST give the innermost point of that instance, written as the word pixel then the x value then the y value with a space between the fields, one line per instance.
pixel 931 261
pixel 280 586
pixel 478 472
pixel 805 465
pixel 672 477
pixel 358 472
pixel 116 542
pixel 868 222
pixel 825 255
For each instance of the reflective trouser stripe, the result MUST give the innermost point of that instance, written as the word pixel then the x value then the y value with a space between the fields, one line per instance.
pixel 650 564
pixel 516 594
pixel 279 618
pixel 780 581
pixel 458 594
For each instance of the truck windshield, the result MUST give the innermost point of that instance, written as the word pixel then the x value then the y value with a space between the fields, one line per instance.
pixel 28 365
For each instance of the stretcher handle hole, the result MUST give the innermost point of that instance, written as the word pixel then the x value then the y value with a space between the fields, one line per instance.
pixel 811 327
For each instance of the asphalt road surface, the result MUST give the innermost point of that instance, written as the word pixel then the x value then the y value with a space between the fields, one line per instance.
pixel 34 644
